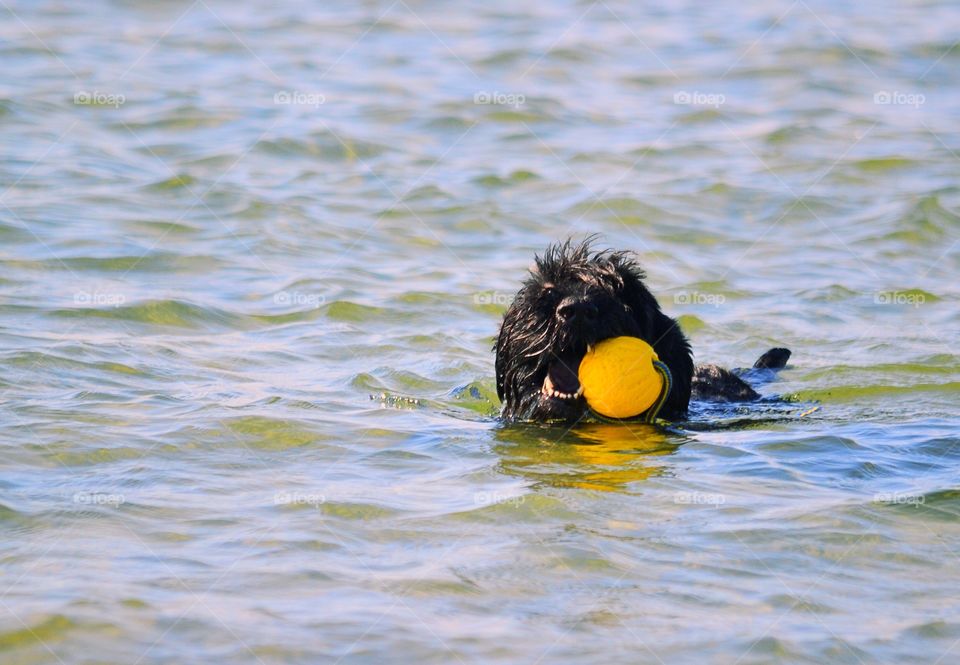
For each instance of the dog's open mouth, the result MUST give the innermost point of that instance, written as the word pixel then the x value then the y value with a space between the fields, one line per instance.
pixel 561 381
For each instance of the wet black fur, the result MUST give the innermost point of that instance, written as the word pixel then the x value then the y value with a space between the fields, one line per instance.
pixel 576 296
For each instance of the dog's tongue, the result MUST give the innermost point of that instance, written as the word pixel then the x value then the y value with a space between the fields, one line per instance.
pixel 563 375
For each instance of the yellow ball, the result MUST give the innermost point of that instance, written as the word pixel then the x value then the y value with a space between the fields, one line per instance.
pixel 618 377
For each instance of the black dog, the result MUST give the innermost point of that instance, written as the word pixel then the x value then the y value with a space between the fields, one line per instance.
pixel 577 297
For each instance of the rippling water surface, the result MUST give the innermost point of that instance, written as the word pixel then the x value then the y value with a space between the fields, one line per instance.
pixel 252 259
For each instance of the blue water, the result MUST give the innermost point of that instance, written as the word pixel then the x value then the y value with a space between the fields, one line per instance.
pixel 253 257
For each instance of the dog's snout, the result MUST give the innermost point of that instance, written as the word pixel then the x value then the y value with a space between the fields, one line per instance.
pixel 577 309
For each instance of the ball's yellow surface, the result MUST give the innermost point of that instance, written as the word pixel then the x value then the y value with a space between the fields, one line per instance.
pixel 618 377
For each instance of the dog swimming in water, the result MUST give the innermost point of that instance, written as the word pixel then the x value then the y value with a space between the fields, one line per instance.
pixel 576 297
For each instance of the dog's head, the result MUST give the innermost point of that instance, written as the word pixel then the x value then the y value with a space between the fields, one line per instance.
pixel 574 298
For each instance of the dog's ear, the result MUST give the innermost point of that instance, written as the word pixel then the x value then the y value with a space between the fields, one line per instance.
pixel 501 348
pixel 662 332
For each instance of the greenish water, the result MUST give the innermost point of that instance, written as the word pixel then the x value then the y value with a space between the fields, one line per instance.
pixel 252 259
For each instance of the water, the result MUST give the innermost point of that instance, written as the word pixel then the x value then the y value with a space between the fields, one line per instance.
pixel 246 383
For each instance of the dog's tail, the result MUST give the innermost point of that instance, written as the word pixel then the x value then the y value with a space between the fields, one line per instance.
pixel 773 359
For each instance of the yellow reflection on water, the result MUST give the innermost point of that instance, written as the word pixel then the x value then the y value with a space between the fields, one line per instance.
pixel 596 456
